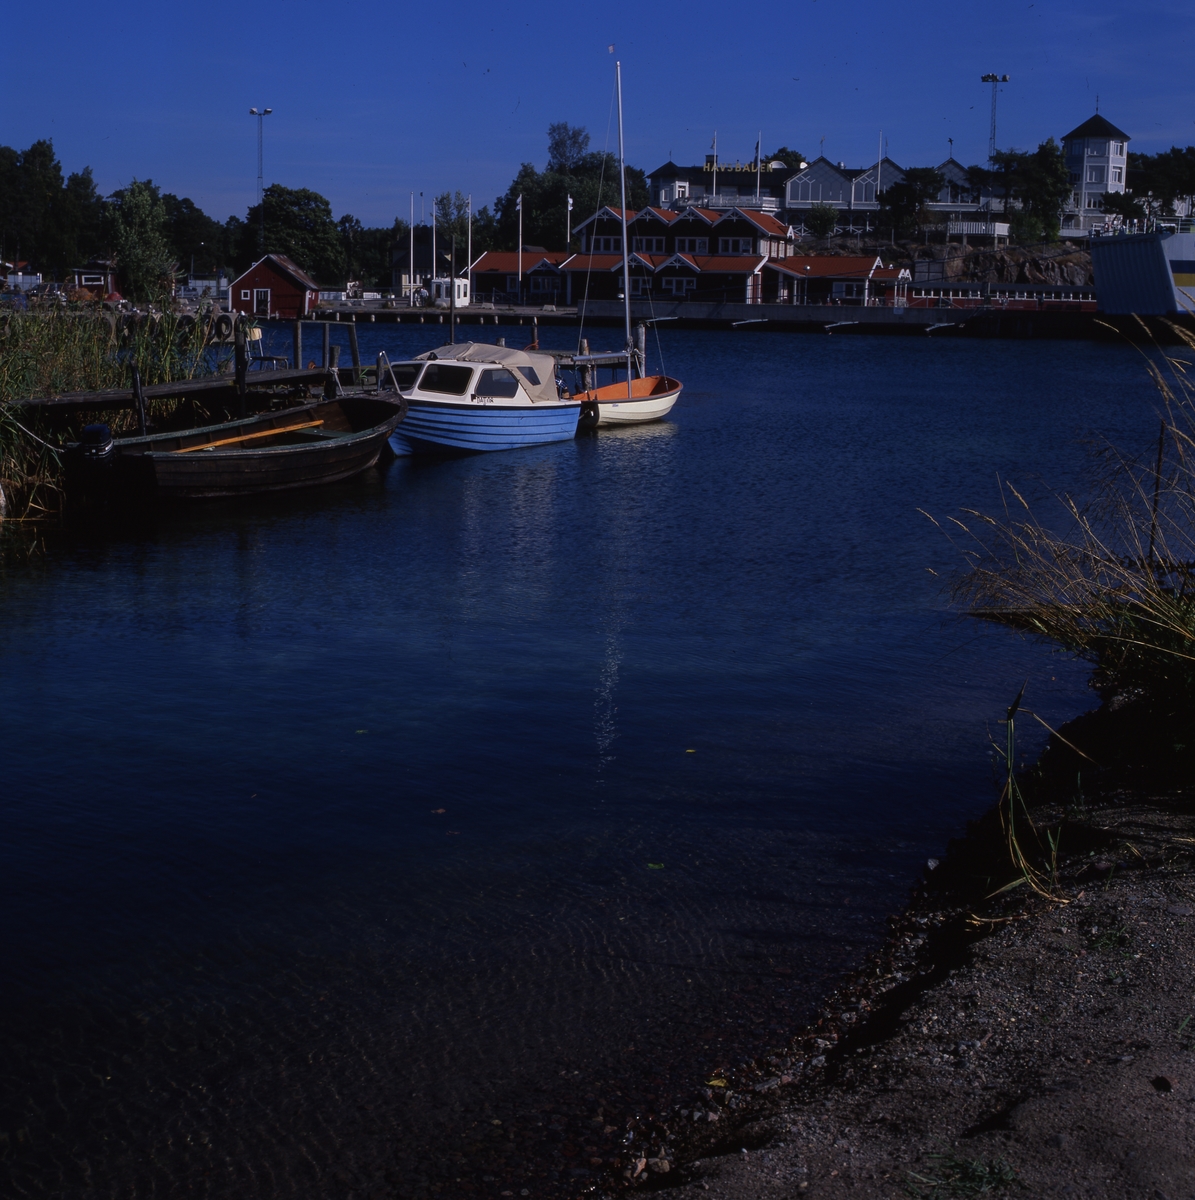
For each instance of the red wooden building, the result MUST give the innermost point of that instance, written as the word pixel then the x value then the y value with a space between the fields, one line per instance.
pixel 274 287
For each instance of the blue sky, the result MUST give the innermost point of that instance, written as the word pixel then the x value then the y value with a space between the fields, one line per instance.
pixel 373 100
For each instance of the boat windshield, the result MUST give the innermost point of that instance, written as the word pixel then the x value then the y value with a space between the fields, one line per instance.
pixel 405 374
pixel 499 383
pixel 447 378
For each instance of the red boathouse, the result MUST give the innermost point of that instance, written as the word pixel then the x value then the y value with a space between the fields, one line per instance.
pixel 274 287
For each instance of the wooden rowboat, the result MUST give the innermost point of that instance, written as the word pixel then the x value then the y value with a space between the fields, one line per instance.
pixel 311 444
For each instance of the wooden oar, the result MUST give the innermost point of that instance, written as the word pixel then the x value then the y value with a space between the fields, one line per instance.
pixel 246 437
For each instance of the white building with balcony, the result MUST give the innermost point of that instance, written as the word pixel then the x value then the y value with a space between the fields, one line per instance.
pixel 1097 157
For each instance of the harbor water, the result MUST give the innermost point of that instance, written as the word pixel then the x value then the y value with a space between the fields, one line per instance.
pixel 402 838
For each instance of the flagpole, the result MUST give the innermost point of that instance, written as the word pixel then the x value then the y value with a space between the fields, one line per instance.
pixel 715 147
pixel 568 222
pixel 469 251
pixel 411 273
pixel 519 206
pixel 758 148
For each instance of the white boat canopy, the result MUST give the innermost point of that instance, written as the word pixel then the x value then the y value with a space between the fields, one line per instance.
pixel 538 371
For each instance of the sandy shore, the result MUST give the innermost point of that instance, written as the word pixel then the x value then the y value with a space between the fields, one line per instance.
pixel 993 1045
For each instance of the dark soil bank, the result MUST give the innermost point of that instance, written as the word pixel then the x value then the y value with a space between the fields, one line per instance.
pixel 1009 1045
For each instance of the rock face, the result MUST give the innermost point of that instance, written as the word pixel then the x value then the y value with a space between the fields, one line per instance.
pixel 1061 264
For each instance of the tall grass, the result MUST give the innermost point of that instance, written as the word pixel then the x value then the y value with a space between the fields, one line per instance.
pixel 45 353
pixel 1111 576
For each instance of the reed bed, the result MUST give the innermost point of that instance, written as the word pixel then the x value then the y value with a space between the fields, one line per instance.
pixel 80 348
pixel 1112 578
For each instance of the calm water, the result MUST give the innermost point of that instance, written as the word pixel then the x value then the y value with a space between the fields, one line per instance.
pixel 327 824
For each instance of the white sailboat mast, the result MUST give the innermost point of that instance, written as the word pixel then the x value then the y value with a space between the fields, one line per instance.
pixel 626 263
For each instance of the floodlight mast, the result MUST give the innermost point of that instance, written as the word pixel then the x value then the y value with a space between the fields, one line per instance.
pixel 995 80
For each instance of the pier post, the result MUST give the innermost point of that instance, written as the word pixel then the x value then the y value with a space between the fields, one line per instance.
pixel 297 339
pixel 242 363
pixel 324 361
pixel 355 351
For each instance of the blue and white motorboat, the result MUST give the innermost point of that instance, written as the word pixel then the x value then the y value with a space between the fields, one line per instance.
pixel 474 396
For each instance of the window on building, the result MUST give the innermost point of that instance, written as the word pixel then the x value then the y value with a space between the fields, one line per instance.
pixel 865 193
pixel 648 245
pixel 1074 177
pixel 680 287
pixel 848 291
pixel 807 192
pixel 1099 149
pixel 682 190
pixel 605 245
pixel 665 195
pixel 261 302
pixel 246 294
pixel 499 383
pixel 1095 200
pixel 544 283
pixel 1095 174
pixel 1118 149
pixel 692 245
pixel 640 285
pixel 1118 175
pixel 735 246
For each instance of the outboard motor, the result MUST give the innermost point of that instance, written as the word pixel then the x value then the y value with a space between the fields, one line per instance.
pixel 90 461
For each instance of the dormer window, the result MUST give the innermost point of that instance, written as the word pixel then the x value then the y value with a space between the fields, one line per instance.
pixel 736 246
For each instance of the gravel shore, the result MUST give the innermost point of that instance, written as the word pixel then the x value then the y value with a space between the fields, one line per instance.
pixel 1002 1044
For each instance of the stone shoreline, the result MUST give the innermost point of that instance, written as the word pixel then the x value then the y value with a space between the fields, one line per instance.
pixel 1002 1042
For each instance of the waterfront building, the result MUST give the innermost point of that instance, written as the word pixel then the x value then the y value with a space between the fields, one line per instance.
pixel 495 276
pixel 98 278
pixel 691 252
pixel 1097 160
pixel 851 190
pixel 833 279
pixel 718 185
pixel 274 287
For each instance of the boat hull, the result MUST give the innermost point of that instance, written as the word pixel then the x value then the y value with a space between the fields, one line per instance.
pixel 305 446
pixel 432 427
pixel 652 399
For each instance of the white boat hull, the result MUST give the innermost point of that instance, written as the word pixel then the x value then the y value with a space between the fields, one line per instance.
pixel 651 399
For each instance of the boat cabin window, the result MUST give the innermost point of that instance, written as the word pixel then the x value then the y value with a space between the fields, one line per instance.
pixel 444 377
pixel 498 382
pixel 405 375
pixel 529 374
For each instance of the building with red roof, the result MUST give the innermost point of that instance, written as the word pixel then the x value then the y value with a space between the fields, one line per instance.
pixel 496 276
pixel 274 287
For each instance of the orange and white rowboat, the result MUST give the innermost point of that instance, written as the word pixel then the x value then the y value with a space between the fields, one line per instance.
pixel 651 399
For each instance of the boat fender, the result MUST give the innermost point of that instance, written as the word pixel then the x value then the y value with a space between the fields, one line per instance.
pixel 589 416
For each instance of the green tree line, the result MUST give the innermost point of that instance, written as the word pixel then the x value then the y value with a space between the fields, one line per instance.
pixel 59 222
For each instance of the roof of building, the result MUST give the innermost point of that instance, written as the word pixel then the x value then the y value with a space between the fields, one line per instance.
pixel 592 262
pixel 287 267
pixel 507 261
pixel 762 221
pixel 1096 126
pixel 726 263
pixel 828 266
pixel 661 214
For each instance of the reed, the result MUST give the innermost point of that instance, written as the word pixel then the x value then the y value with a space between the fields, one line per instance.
pixel 1112 578
pixel 79 348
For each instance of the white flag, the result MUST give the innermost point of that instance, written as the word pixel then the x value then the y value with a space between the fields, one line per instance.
pixel 519 203
pixel 570 204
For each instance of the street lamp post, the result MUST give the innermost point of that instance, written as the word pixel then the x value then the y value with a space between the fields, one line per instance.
pixel 260 114
pixel 995 80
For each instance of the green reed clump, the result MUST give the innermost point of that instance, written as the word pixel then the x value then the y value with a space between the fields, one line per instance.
pixel 79 348
pixel 1117 585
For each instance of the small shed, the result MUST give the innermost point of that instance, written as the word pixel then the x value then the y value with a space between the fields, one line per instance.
pixel 274 287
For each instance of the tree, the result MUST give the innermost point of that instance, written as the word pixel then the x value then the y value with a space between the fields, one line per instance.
pixel 144 259
pixel 567 146
pixel 903 204
pixel 368 251
pixel 193 235
pixel 1125 206
pixel 1160 181
pixel 790 158
pixel 1039 184
pixel 821 220
pixel 298 224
